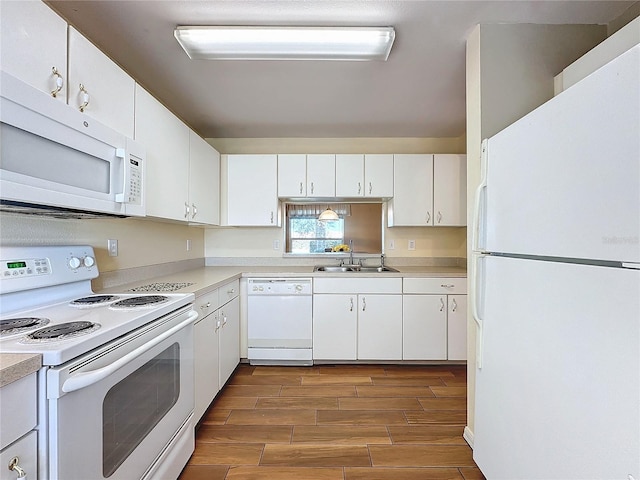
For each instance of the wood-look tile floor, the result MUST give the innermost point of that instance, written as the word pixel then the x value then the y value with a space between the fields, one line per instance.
pixel 336 422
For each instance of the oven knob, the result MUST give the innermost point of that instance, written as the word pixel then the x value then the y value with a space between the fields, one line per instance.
pixel 89 261
pixel 74 262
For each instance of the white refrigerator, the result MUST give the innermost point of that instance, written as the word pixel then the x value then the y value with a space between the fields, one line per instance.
pixel 556 290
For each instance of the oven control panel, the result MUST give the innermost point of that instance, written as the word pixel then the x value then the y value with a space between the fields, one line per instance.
pixel 25 267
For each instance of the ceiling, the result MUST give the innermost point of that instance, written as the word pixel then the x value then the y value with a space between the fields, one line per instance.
pixel 418 92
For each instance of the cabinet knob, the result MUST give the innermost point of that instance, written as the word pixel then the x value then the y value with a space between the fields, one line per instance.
pixel 14 467
pixel 58 80
pixel 84 97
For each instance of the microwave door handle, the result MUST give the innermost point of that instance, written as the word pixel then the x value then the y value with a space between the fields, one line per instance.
pixel 86 379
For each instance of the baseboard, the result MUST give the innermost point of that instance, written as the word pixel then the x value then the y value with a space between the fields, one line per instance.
pixel 468 436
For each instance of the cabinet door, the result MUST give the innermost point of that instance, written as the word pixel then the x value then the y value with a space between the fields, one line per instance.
pixel 450 190
pixel 350 175
pixel 26 449
pixel 204 181
pixel 229 339
pixel 321 175
pixel 33 43
pixel 205 352
pixel 379 327
pixel 424 327
pixel 292 176
pixel 166 139
pixel 412 203
pixel 457 327
pixel 109 91
pixel 378 176
pixel 335 327
pixel 252 190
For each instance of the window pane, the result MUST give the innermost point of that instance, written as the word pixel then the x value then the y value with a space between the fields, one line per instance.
pixel 310 235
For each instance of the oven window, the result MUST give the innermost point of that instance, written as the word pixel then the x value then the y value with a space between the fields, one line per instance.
pixel 136 404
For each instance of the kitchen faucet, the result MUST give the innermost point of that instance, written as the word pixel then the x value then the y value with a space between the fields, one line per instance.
pixel 350 252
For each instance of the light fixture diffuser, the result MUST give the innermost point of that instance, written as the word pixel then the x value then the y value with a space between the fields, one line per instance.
pixel 285 43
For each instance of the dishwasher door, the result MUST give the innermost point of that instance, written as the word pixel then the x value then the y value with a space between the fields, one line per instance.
pixel 279 322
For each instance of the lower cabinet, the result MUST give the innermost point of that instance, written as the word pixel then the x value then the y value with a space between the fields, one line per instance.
pixel 229 339
pixel 335 327
pixel 379 327
pixel 457 327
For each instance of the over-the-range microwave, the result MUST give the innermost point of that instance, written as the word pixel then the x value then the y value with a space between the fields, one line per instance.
pixel 56 159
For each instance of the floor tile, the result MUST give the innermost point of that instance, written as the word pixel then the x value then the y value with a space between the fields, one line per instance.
pixel 427 434
pixel 216 416
pixel 244 433
pixel 471 473
pixel 267 416
pixel 227 402
pixel 315 455
pixel 360 417
pixel 418 371
pixel 449 391
pixel 284 473
pixel 455 381
pixel 379 403
pixel 444 403
pixel 341 435
pixel 251 391
pixel 378 473
pixel 266 380
pixel 204 472
pixel 353 370
pixel 324 403
pixel 227 454
pixel 275 370
pixel 421 455
pixel 320 391
pixel 444 417
pixel 393 391
pixel 335 380
pixel 418 381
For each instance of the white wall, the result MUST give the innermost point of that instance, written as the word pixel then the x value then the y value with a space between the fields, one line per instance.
pixel 510 70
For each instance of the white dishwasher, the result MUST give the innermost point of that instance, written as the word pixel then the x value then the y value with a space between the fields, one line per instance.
pixel 279 321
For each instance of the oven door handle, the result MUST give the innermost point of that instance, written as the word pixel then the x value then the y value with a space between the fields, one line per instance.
pixel 85 379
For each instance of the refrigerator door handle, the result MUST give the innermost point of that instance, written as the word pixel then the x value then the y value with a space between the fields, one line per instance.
pixel 480 201
pixel 475 311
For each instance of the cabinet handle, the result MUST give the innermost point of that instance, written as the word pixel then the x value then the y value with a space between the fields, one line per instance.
pixel 205 306
pixel 364 304
pixel 14 467
pixel 359 188
pixel 351 306
pixel 272 216
pixel 439 218
pixel 186 210
pixel 231 292
pixel 300 188
pixel 428 217
pixel 370 188
pixel 217 325
pixel 224 319
pixel 441 304
pixel 454 305
pixel 85 98
pixel 311 188
pixel 194 209
pixel 447 285
pixel 58 80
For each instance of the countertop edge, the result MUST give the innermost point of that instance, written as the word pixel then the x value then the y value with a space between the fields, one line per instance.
pixel 14 366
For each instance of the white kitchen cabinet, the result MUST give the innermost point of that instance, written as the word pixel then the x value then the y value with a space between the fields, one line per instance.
pixel 206 352
pixel 357 319
pixel 301 175
pixel 166 139
pixel 449 190
pixel 412 203
pixel 204 181
pixel 434 318
pixel 335 324
pixel 364 175
pixel 252 190
pixel 24 454
pixel 99 87
pixel 33 42
pixel 229 339
pixel 321 175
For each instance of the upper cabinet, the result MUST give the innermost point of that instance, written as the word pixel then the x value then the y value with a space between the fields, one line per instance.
pixel 301 175
pixel 34 46
pixel 98 87
pixel 430 190
pixel 204 181
pixel 252 190
pixel 364 175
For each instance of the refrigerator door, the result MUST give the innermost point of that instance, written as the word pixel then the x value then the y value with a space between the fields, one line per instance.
pixel 564 181
pixel 558 394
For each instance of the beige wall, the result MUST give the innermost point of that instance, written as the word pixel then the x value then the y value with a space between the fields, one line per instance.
pixel 258 242
pixel 510 70
pixel 140 242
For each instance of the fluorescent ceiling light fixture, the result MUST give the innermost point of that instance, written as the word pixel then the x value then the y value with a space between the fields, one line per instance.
pixel 286 43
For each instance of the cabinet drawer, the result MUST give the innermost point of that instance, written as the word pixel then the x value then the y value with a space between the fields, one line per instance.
pixel 206 304
pixel 456 285
pixel 357 285
pixel 18 413
pixel 26 449
pixel 228 292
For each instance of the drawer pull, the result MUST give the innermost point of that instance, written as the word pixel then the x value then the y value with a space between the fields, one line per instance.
pixel 231 292
pixel 447 285
pixel 14 467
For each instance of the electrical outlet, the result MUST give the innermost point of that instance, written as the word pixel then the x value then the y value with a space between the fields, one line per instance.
pixel 276 244
pixel 412 245
pixel 112 247
pixel 188 245
pixel 392 244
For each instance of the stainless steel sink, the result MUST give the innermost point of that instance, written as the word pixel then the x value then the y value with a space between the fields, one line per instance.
pixel 353 269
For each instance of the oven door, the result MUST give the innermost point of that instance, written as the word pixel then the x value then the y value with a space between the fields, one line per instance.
pixel 113 412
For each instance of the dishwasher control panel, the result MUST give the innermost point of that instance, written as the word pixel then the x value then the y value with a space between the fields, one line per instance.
pixel 279 286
